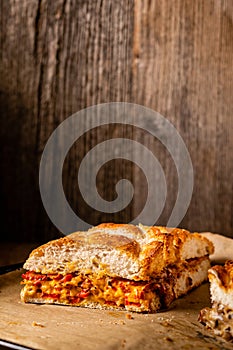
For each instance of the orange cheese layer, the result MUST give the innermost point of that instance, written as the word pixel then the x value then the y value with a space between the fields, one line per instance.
pixel 77 289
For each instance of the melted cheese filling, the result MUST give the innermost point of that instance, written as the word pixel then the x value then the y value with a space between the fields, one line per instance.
pixel 78 289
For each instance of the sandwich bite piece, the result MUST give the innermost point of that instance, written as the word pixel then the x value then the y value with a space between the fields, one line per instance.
pixel 219 318
pixel 117 266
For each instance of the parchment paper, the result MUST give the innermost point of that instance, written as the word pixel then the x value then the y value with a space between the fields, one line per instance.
pixel 223 247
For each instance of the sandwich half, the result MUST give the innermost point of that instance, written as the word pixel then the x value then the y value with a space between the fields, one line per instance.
pixel 117 266
pixel 219 318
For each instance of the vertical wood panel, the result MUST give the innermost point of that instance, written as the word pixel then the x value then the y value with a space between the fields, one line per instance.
pixel 183 64
pixel 57 57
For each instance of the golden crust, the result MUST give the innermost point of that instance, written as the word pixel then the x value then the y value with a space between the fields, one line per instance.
pixel 153 259
pixel 125 228
pixel 145 250
pixel 224 275
pixel 81 239
pixel 176 237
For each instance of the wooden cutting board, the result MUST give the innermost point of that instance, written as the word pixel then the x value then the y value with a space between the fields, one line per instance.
pixel 65 327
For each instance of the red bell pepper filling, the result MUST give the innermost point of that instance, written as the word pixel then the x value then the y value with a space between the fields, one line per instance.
pixel 85 286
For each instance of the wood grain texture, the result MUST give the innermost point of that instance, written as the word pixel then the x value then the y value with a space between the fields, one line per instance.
pixel 183 65
pixel 57 57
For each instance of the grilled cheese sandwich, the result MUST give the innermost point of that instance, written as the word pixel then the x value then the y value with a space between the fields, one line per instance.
pixel 137 268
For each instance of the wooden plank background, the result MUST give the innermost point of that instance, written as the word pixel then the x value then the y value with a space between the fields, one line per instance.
pixel 58 57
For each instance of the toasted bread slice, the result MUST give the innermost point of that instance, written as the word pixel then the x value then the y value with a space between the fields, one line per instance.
pixel 219 318
pixel 221 284
pixel 119 250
